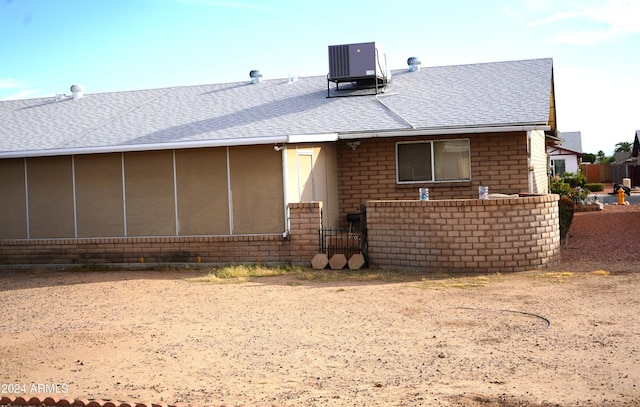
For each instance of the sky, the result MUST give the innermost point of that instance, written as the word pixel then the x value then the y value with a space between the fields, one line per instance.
pixel 118 45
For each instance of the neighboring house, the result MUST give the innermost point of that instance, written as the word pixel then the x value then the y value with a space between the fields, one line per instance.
pixel 635 149
pixel 567 156
pixel 627 164
pixel 230 159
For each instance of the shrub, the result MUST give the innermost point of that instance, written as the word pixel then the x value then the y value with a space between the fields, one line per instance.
pixel 564 189
pixel 574 180
pixel 559 187
pixel 594 187
pixel 566 208
pixel 569 198
pixel 578 195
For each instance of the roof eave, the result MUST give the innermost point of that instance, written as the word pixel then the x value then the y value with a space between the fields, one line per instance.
pixel 292 138
pixel 443 131
pixel 144 147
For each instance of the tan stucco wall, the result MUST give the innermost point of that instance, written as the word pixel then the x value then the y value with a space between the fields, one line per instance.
pixel 312 176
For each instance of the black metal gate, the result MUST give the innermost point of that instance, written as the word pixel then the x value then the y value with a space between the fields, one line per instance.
pixel 347 241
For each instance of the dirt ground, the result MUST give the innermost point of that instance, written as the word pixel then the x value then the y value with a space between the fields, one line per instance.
pixel 568 336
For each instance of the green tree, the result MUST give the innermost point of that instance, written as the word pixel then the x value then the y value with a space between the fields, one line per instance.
pixel 588 158
pixel 623 146
pixel 600 156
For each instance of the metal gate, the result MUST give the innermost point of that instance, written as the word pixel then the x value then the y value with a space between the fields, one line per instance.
pixel 347 241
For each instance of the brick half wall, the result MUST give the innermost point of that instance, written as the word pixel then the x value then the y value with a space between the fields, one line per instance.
pixel 466 235
pixel 297 247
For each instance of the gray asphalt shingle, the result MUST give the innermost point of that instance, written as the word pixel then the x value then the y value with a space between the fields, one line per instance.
pixel 572 141
pixel 475 95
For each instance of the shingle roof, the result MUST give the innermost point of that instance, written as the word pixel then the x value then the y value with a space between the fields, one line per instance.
pixel 571 141
pixel 475 95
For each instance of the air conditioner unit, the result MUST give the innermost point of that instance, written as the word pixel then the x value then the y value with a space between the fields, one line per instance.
pixel 353 62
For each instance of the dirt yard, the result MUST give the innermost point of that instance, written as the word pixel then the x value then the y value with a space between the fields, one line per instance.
pixel 569 336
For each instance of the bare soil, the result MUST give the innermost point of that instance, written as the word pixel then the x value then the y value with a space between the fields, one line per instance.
pixel 568 336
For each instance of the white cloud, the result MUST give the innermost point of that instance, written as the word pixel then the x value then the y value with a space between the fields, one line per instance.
pixel 584 37
pixel 618 17
pixel 8 83
pixel 564 15
pixel 11 89
pixel 23 94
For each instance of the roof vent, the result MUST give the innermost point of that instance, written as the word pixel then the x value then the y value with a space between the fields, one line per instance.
pixel 414 64
pixel 256 76
pixel 76 91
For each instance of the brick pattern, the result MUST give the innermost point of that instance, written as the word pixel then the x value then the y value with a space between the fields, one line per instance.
pixel 498 160
pixel 65 402
pixel 592 207
pixel 296 248
pixel 466 235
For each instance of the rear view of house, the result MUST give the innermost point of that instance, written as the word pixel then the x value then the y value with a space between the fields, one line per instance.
pixel 228 172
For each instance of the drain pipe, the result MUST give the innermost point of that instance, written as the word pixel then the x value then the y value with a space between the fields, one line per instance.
pixel 529 165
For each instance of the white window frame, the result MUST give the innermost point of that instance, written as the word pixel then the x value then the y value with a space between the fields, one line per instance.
pixel 433 158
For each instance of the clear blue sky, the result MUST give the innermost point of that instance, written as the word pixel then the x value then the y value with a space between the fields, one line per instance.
pixel 114 45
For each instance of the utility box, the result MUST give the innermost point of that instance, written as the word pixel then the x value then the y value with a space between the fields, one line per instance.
pixel 356 61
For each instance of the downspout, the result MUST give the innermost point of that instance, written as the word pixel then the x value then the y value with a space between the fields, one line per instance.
pixel 549 173
pixel 529 164
pixel 285 195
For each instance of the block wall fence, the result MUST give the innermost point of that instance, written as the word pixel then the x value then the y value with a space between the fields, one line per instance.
pixel 464 235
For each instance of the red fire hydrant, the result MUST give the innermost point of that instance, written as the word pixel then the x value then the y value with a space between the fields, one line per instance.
pixel 620 196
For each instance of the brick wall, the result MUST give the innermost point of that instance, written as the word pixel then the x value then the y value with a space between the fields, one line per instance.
pixel 498 160
pixel 467 235
pixel 296 248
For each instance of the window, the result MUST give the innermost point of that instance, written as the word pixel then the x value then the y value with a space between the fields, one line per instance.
pixel 433 161
pixel 558 167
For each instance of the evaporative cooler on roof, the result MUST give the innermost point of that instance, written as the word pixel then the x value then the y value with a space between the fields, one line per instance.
pixel 362 65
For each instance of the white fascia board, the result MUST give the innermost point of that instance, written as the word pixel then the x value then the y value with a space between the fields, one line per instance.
pixel 145 147
pixel 435 131
pixel 312 138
